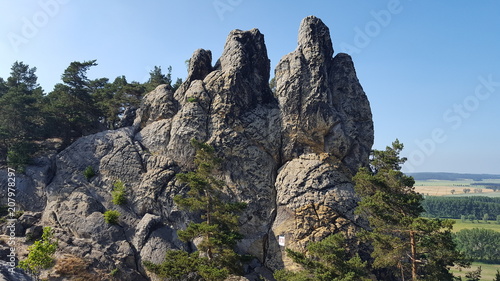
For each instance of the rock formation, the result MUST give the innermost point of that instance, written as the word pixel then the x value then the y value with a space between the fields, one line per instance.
pixel 290 155
pixel 327 134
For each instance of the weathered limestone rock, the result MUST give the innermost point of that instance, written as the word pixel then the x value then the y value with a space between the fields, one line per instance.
pixel 242 127
pixel 17 275
pixel 30 185
pixel 200 65
pixel 315 198
pixel 156 105
pixel 327 135
pixel 289 155
pixel 323 105
pixel 153 239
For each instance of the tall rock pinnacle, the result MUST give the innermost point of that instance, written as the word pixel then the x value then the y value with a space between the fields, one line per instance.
pixel 314 39
pixel 327 133
pixel 323 105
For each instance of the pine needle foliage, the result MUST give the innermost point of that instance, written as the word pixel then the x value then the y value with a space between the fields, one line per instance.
pixel 218 229
pixel 326 260
pixel 405 245
pixel 119 193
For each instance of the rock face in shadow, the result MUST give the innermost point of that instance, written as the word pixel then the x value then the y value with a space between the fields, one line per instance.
pixel 289 155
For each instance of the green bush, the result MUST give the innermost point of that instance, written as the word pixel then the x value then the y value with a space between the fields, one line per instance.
pixel 119 194
pixel 40 254
pixel 192 99
pixel 89 173
pixel 177 265
pixel 180 265
pixel 111 216
pixel 114 272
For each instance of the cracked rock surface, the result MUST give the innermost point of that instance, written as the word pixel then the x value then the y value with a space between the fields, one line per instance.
pixel 289 155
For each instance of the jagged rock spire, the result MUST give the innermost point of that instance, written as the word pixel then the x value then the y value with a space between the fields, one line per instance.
pixel 324 107
pixel 314 38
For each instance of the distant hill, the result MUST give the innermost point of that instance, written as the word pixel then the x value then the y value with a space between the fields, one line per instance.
pixel 452 176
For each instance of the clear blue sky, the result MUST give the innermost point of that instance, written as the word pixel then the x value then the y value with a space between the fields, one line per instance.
pixel 430 69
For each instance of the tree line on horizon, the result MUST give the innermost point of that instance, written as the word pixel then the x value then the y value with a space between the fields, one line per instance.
pixel 457 207
pixel 76 107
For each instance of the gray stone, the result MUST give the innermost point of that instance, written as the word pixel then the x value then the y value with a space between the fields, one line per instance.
pixel 200 65
pixel 327 135
pixel 34 232
pixel 323 106
pixel 156 105
pixel 28 219
pixel 143 229
pixel 157 245
pixel 290 156
pixel 16 275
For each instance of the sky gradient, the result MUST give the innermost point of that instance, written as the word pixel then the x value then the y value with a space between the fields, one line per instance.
pixel 431 69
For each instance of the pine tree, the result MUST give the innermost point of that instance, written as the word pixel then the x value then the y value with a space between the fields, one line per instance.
pixel 402 241
pixel 112 99
pixel 326 260
pixel 75 77
pixel 220 225
pixel 20 120
pixel 216 258
pixel 3 87
pixel 70 108
pixel 156 78
pixel 22 74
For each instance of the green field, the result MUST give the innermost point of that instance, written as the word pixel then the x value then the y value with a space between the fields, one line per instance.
pixel 459 225
pixel 487 274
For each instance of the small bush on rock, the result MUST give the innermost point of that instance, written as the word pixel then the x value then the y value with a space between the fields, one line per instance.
pixel 111 216
pixel 89 173
pixel 119 194
pixel 40 254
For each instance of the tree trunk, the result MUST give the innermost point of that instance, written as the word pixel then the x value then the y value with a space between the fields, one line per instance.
pixel 400 265
pixel 209 222
pixel 413 245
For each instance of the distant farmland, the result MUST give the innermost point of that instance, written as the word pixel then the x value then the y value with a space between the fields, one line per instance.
pixel 453 176
pixel 454 188
pixel 440 184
